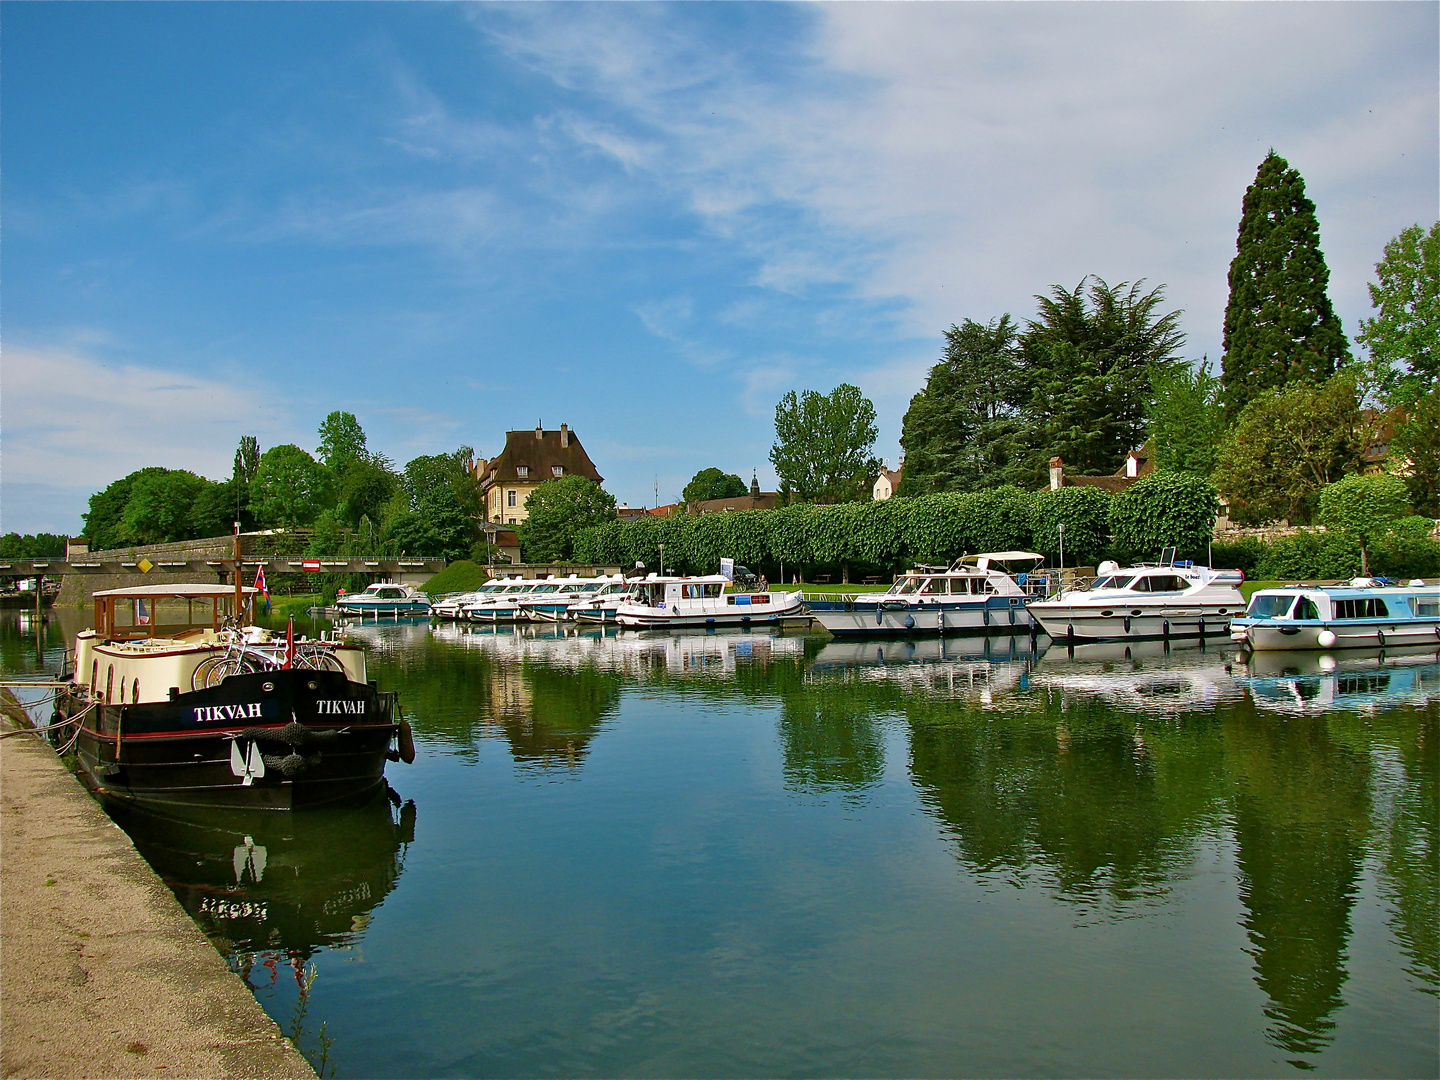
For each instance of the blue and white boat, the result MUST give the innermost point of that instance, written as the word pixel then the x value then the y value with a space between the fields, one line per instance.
pixel 975 594
pixel 1366 613
pixel 384 598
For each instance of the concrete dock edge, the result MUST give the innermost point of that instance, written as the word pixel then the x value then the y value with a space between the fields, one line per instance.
pixel 102 972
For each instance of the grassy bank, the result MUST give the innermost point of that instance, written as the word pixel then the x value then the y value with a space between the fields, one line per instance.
pixel 292 605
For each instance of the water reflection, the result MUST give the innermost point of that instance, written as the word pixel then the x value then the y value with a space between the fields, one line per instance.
pixel 1272 821
pixel 281 884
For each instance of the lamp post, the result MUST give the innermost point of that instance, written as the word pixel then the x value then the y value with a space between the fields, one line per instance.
pixel 1062 553
pixel 662 560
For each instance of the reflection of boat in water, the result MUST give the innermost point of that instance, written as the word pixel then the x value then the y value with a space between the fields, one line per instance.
pixel 944 666
pixel 714 652
pixel 1148 676
pixel 1300 682
pixel 291 883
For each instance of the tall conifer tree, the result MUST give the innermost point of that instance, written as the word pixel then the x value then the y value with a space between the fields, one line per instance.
pixel 1279 324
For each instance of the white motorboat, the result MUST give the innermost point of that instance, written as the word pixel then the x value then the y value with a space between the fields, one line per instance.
pixel 1168 600
pixel 705 601
pixel 502 604
pixel 975 594
pixel 1367 613
pixel 384 598
pixel 601 604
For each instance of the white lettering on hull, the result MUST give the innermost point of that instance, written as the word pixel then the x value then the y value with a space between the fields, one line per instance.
pixel 210 713
pixel 340 708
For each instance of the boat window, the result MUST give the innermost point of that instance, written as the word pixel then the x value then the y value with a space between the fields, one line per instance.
pixel 109 682
pixel 94 676
pixel 1305 609
pixel 1425 607
pixel 1273 606
pixel 122 691
pixel 135 691
pixel 547 588
pixel 907 586
pixel 1361 607
pixel 1114 581
pixel 713 589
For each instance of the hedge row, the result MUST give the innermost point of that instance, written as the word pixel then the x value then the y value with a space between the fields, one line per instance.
pixel 1406 552
pixel 1160 511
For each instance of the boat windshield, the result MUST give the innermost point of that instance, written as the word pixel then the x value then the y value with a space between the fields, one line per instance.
pixel 546 588
pixel 1114 581
pixel 1273 606
pixel 590 587
pixel 905 586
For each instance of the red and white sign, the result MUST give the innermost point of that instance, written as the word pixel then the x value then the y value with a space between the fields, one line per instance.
pixel 310 564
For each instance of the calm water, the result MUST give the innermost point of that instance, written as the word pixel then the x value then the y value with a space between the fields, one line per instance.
pixel 741 856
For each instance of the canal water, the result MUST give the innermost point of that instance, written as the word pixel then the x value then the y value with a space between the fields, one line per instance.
pixel 740 855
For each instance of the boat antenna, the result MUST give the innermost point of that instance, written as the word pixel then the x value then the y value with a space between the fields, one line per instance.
pixel 239 575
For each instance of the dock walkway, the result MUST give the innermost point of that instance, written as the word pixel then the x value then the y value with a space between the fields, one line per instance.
pixel 102 973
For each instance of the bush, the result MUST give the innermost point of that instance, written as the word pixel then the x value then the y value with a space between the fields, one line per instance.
pixel 462 576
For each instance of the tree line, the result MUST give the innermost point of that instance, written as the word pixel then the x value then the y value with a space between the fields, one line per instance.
pixel 345 492
pixel 1098 371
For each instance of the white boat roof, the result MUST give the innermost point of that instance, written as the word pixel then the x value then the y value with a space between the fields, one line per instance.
pixel 1005 556
pixel 184 590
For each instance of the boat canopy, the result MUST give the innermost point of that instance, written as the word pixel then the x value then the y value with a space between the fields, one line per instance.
pixel 183 590
pixel 1003 556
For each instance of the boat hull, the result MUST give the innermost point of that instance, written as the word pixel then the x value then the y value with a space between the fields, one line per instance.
pixel 304 738
pixel 1370 634
pixel 1128 621
pixel 870 618
pixel 704 620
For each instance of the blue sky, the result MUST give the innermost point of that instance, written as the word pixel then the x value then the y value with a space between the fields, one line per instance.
pixel 647 221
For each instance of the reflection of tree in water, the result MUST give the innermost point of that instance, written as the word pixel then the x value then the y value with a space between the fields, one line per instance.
pixel 549 715
pixel 831 739
pixel 1093 800
pixel 1411 858
pixel 1302 805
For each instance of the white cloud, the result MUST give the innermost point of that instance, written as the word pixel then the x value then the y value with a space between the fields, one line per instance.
pixel 73 423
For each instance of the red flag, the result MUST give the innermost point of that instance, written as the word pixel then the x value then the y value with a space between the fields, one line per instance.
pixel 260 584
pixel 289 643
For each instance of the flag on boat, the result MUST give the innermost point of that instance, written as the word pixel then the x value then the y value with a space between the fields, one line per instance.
pixel 289 643
pixel 260 584
pixel 142 613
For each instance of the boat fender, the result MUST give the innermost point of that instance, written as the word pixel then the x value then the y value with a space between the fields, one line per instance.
pixel 1165 629
pixel 1381 635
pixel 909 622
pixel 987 615
pixel 291 765
pixel 406 738
pixel 879 616
pixel 1327 639
pixel 1127 624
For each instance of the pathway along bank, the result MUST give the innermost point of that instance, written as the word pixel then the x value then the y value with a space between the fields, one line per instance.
pixel 102 973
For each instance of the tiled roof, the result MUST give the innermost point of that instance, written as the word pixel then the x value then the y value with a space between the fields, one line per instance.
pixel 539 456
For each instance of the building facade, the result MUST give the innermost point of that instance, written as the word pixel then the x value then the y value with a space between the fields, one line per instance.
pixel 528 460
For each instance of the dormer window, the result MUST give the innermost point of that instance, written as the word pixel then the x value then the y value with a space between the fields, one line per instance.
pixel 557 470
pixel 522 471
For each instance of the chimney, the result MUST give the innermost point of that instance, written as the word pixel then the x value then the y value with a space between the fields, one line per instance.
pixel 539 431
pixel 1057 473
pixel 564 435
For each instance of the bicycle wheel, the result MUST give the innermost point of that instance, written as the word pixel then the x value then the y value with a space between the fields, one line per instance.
pixel 201 678
pixel 230 665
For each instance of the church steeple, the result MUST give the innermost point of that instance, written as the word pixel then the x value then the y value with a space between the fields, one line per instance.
pixel 754 486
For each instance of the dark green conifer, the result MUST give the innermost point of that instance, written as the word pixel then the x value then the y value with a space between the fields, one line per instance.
pixel 1279 324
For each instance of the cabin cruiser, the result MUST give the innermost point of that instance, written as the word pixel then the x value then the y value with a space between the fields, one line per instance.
pixel 705 601
pixel 550 601
pixel 452 606
pixel 175 705
pixel 601 605
pixel 501 605
pixel 1366 613
pixel 976 593
pixel 1170 599
pixel 384 598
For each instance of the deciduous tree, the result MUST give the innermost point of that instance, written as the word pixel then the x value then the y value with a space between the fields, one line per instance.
pixel 1365 507
pixel 824 444
pixel 1187 419
pixel 290 487
pixel 1287 445
pixel 1403 335
pixel 342 443
pixel 1279 323
pixel 713 484
pixel 557 510
pixel 1164 509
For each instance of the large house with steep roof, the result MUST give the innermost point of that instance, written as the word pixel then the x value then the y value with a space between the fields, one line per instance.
pixel 528 460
